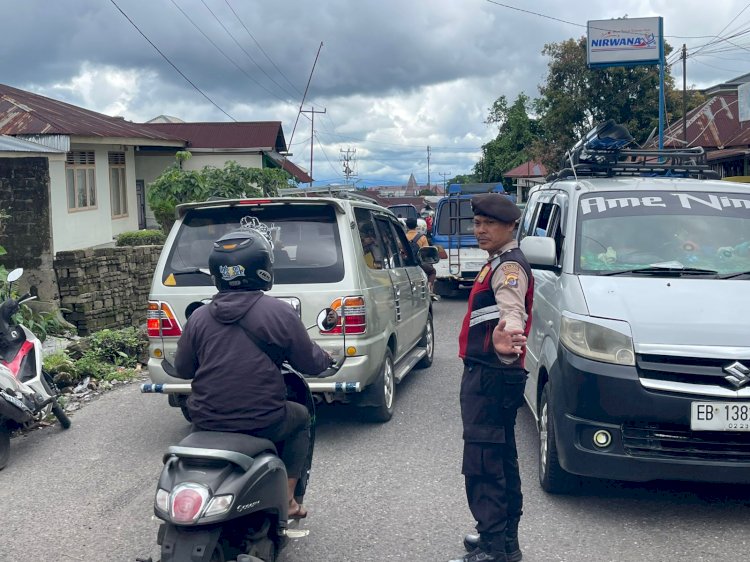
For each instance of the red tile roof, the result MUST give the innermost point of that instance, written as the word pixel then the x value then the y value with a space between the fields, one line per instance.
pixel 267 135
pixel 24 113
pixel 528 169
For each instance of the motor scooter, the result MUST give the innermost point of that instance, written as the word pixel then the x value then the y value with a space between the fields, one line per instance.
pixel 223 496
pixel 27 393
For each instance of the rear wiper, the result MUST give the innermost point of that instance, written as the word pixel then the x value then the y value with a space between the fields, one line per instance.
pixel 664 270
pixel 734 275
pixel 202 270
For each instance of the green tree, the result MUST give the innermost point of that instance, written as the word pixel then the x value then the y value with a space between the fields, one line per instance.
pixel 176 185
pixel 516 134
pixel 575 98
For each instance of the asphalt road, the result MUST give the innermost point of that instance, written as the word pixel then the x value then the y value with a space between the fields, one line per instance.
pixel 378 492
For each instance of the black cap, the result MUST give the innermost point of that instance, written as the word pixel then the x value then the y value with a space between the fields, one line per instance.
pixel 495 206
pixel 411 222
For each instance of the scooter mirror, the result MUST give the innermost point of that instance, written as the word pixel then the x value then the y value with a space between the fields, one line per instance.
pixel 15 275
pixel 327 319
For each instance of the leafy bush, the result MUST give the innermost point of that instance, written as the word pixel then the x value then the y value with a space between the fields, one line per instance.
pixel 92 366
pixel 122 348
pixel 140 238
pixel 62 368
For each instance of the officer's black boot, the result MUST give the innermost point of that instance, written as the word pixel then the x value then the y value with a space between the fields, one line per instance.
pixel 512 549
pixel 491 549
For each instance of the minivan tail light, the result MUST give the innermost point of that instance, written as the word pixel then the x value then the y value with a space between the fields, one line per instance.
pixel 161 320
pixel 353 315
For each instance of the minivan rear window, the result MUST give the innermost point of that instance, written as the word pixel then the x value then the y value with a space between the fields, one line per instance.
pixel 307 246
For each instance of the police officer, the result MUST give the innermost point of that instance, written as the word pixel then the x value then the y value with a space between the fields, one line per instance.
pixel 232 349
pixel 492 344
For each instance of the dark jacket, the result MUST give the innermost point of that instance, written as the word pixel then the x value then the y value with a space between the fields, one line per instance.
pixel 236 385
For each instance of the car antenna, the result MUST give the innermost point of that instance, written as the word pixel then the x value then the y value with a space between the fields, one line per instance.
pixel 572 166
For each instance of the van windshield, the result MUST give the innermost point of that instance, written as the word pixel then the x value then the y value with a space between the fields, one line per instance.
pixel 620 231
pixel 307 247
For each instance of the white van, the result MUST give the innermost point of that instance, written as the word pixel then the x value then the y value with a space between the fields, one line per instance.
pixel 639 351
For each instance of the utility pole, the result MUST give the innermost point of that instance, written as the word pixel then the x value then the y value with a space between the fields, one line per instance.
pixel 312 111
pixel 445 175
pixel 684 94
pixel 428 167
pixel 348 156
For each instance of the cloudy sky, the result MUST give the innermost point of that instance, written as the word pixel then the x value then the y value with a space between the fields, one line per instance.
pixel 394 76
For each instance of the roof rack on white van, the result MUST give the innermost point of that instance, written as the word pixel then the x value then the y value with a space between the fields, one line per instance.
pixel 340 192
pixel 603 153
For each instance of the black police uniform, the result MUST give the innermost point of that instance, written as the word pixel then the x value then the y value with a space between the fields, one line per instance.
pixel 491 393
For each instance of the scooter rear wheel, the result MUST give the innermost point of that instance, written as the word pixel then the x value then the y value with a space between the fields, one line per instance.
pixel 4 447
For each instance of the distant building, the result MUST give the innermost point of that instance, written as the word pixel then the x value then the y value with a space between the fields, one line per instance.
pixel 715 125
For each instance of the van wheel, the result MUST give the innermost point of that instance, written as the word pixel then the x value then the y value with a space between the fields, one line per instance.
pixel 428 342
pixel 553 478
pixel 384 389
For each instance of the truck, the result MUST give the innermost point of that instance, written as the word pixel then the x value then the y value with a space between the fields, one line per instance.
pixel 453 233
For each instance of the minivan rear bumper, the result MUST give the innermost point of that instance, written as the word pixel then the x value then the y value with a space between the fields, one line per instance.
pixel 651 435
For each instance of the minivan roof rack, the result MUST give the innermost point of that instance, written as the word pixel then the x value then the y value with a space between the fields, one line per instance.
pixel 339 192
pixel 603 153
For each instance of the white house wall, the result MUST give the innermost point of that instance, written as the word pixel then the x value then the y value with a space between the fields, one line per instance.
pixel 149 166
pixel 201 159
pixel 75 230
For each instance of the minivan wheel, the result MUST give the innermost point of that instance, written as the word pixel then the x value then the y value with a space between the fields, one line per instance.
pixel 553 478
pixel 384 391
pixel 428 342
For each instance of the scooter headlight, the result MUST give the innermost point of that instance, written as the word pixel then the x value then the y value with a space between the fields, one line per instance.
pixel 219 505
pixel 188 502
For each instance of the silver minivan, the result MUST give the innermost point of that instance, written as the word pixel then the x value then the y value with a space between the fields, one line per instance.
pixel 639 351
pixel 344 253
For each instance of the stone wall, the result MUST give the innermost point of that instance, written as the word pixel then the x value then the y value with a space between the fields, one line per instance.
pixel 25 233
pixel 105 287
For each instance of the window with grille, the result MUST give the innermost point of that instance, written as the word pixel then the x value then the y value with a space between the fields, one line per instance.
pixel 80 173
pixel 117 186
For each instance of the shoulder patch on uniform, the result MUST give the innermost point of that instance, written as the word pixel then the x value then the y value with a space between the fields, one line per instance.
pixel 510 267
pixel 511 280
pixel 483 273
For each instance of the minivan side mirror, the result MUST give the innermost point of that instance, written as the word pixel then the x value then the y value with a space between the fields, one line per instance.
pixel 429 255
pixel 540 252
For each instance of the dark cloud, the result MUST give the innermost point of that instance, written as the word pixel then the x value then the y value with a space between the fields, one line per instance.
pixel 394 76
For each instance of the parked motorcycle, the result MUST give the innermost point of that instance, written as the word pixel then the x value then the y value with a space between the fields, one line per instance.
pixel 27 393
pixel 223 496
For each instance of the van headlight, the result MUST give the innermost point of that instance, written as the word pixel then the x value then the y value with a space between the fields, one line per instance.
pixel 596 342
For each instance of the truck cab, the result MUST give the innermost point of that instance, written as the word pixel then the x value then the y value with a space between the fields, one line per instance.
pixel 453 231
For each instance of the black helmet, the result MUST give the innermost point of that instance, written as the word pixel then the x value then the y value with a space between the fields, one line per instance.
pixel 242 261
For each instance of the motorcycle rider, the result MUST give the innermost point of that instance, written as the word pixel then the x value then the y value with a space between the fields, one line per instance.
pixel 233 347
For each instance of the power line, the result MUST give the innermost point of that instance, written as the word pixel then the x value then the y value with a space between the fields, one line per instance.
pixel 262 50
pixel 718 35
pixel 242 70
pixel 243 49
pixel 171 63
pixel 581 25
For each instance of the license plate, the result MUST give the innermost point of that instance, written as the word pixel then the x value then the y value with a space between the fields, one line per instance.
pixel 720 416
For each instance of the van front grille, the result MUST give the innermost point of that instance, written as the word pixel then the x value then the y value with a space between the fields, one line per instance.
pixel 686 370
pixel 679 442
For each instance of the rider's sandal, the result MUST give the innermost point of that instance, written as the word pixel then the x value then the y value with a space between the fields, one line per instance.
pixel 299 513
